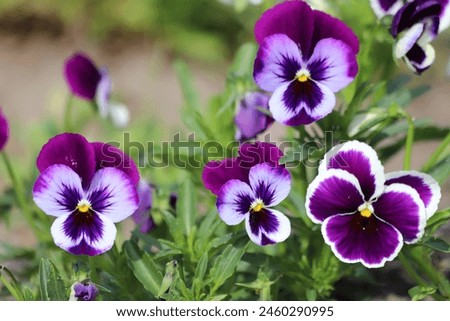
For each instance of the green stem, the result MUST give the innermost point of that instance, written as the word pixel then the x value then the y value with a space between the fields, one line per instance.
pixel 68 114
pixel 434 158
pixel 410 270
pixel 409 143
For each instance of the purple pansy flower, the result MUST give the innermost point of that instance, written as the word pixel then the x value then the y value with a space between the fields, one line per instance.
pixel 366 218
pixel 85 216
pixel 305 56
pixel 4 130
pixel 250 121
pixel 83 292
pixel 142 215
pixel 383 8
pixel 217 173
pixel 238 201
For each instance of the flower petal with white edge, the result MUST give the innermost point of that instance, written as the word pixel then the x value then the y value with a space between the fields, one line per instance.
pixel 58 190
pixel 383 8
pixel 119 114
pixel 333 192
pixel 234 201
pixel 113 194
pixel 408 39
pixel 322 105
pixel 103 92
pixel 444 19
pixel 419 59
pixel 267 227
pixel 270 184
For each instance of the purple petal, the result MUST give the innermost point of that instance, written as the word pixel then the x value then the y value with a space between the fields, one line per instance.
pixel 113 194
pixel 401 206
pixel 383 8
pixel 103 92
pixel 84 233
pixel 277 62
pixel 354 238
pixel 333 192
pixel 85 292
pixel 251 154
pixel 82 76
pixel 427 187
pixel 72 150
pixel 109 156
pixel 4 130
pixel 142 215
pixel 216 173
pixel 234 201
pixel 444 17
pixel 419 59
pixel 267 227
pixel 333 64
pixel 250 121
pixel 58 190
pixel 270 184
pixel 408 39
pixel 360 160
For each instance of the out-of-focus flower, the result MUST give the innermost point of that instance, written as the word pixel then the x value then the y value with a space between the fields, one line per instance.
pixel 366 218
pixel 238 201
pixel 305 56
pixel 383 8
pixel 4 130
pixel 83 292
pixel 217 173
pixel 142 215
pixel 173 198
pixel 249 120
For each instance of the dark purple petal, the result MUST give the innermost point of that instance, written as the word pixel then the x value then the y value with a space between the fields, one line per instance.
pixel 250 121
pixel 85 291
pixel 173 198
pixel 360 160
pixel 333 192
pixel 4 130
pixel 354 238
pixel 234 201
pixel 216 173
pixel 142 215
pixel 408 40
pixel 82 76
pixel 419 59
pixel 267 227
pixel 58 190
pixel 385 7
pixel 109 156
pixel 251 154
pixel 401 206
pixel 72 150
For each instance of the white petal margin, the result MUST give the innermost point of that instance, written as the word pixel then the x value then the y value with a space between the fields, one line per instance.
pixel 113 189
pixel 444 21
pixel 52 188
pixel 282 233
pixel 277 180
pixel 277 106
pixel 273 53
pixel 108 236
pixel 119 114
pixel 337 59
pixel 408 39
pixel 325 106
pixel 427 180
pixel 64 241
pixel 103 92
pixel 380 12
pixel 229 201
pixel 430 56
pixel 377 169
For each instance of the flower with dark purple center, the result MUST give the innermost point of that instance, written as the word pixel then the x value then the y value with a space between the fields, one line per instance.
pixel 217 173
pixel 249 120
pixel 366 218
pixel 4 130
pixel 305 56
pixel 142 215
pixel 238 201
pixel 84 291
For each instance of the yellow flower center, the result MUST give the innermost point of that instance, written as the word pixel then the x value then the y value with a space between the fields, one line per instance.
pixel 302 75
pixel 257 205
pixel 83 206
pixel 366 210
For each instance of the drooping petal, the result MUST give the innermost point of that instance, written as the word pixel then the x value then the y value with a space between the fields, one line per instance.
pixel 267 226
pixel 216 173
pixel 427 187
pixel 249 120
pixel 4 130
pixel 103 92
pixel 72 150
pixel 142 215
pixel 360 160
pixel 110 156
pixel 119 114
pixel 383 8
pixel 444 17
pixel 270 184
pixel 251 154
pixel 113 194
pixel 277 62
pixel 354 238
pixel 284 104
pixel 401 206
pixel 333 64
pixel 82 76
pixel 408 39
pixel 58 190
pixel 84 233
pixel 234 201
pixel 333 192
pixel 419 59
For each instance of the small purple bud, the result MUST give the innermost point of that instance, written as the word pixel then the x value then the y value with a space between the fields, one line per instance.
pixel 84 291
pixel 142 215
pixel 173 200
pixel 4 130
pixel 82 76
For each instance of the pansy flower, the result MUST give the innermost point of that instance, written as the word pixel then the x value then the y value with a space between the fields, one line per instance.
pixel 4 130
pixel 365 216
pixel 238 201
pixel 142 215
pixel 383 8
pixel 217 173
pixel 305 57
pixel 250 120
pixel 86 291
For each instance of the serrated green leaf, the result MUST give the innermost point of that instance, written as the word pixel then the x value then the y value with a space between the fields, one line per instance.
pixel 436 244
pixel 175 228
pixel 143 267
pixel 200 272
pixel 186 206
pixel 421 292
pixel 51 284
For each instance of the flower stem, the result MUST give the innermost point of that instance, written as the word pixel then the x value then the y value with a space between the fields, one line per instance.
pixel 434 158
pixel 68 114
pixel 410 270
pixel 409 143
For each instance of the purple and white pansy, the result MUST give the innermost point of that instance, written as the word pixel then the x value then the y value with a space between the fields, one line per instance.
pixel 305 57
pixel 383 8
pixel 367 216
pixel 238 201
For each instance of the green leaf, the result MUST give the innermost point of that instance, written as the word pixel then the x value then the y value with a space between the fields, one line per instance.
pixel 243 60
pixel 51 284
pixel 190 94
pixel 175 228
pixel 436 244
pixel 186 206
pixel 169 277
pixel 437 220
pixel 143 267
pixel 421 292
pixel 200 272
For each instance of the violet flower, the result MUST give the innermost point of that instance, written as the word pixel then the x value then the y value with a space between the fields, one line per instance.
pixel 142 215
pixel 83 292
pixel 249 120
pixel 366 216
pixel 238 201
pixel 305 56
pixel 217 173
pixel 383 8
pixel 4 130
